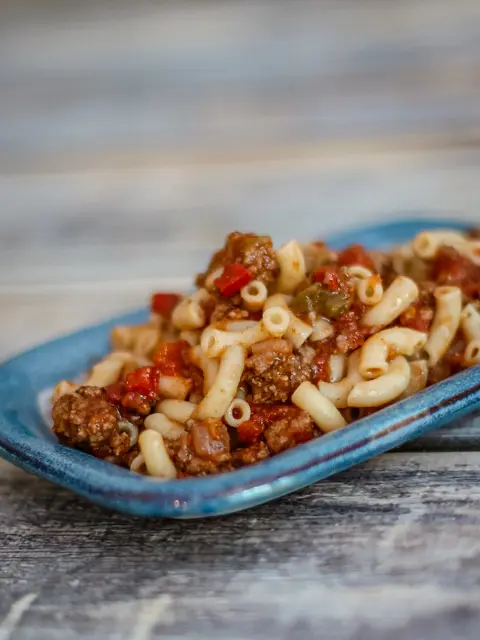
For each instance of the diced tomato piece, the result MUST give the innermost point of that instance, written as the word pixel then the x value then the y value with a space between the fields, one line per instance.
pixel 144 381
pixel 234 277
pixel 327 275
pixel 332 278
pixel 264 415
pixel 164 303
pixel 250 431
pixel 355 254
pixel 321 361
pixel 269 413
pixel 115 392
pixel 418 316
pixel 349 330
pixel 137 402
pixel 170 357
pixel 451 268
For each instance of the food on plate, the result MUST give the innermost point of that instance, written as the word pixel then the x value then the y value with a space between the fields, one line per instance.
pixel 273 349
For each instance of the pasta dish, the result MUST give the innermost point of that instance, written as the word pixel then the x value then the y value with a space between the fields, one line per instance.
pixel 275 348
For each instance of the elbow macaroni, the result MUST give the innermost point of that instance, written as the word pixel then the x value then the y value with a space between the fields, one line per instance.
pixel 321 330
pixel 445 322
pixel 396 299
pixel 254 295
pixel 322 411
pixel 370 290
pixel 472 353
pixel 470 321
pixel 188 315
pixel 418 378
pixel 377 349
pixel 177 410
pixel 223 390
pixel 169 429
pixel 156 458
pixel 292 267
pixel 427 243
pixel 380 391
pixel 337 392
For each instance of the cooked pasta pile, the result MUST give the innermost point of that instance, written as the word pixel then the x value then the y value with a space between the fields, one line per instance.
pixel 275 348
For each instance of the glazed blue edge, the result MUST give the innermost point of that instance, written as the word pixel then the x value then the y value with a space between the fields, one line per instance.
pixel 25 441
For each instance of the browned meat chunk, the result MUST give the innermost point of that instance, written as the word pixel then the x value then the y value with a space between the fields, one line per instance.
pixel 419 315
pixel 451 268
pixel 451 363
pixel 383 265
pixel 287 433
pixel 204 450
pixel 85 420
pixel 273 377
pixel 254 252
pixel 350 333
pixel 250 455
pixel 227 310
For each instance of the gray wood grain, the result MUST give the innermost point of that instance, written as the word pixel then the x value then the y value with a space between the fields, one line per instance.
pixel 165 220
pixel 117 79
pixel 389 549
pixel 132 138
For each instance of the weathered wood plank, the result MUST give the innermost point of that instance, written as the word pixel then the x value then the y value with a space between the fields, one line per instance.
pixel 389 549
pixel 83 82
pixel 132 138
pixel 165 220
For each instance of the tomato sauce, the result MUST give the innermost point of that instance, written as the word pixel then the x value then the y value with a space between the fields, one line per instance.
pixel 451 268
pixel 354 255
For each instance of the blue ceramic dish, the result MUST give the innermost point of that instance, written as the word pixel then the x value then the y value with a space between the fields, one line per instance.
pixel 27 442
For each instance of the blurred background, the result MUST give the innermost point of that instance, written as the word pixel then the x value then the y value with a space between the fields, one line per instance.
pixel 134 135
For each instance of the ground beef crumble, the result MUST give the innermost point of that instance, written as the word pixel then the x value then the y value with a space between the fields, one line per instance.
pixel 452 269
pixel 250 455
pixel 229 311
pixel 349 331
pixel 273 377
pixel 252 251
pixel 203 450
pixel 419 315
pixel 86 420
pixel 288 432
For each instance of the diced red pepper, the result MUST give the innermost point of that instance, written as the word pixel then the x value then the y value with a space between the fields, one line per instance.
pixel 137 402
pixel 418 316
pixel 234 277
pixel 451 268
pixel 170 358
pixel 321 362
pixel 329 276
pixel 264 415
pixel 144 381
pixel 115 392
pixel 270 413
pixel 164 303
pixel 355 254
pixel 350 332
pixel 250 431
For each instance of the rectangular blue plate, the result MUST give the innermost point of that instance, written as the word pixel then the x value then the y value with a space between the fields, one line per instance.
pixel 26 441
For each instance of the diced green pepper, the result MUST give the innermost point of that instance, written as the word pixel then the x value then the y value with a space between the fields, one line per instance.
pixel 318 299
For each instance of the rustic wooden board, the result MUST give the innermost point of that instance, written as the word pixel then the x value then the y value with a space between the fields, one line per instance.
pixel 101 80
pixel 164 220
pixel 390 549
pixel 132 138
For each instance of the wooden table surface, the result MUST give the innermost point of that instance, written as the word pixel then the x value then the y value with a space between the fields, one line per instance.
pixel 132 138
